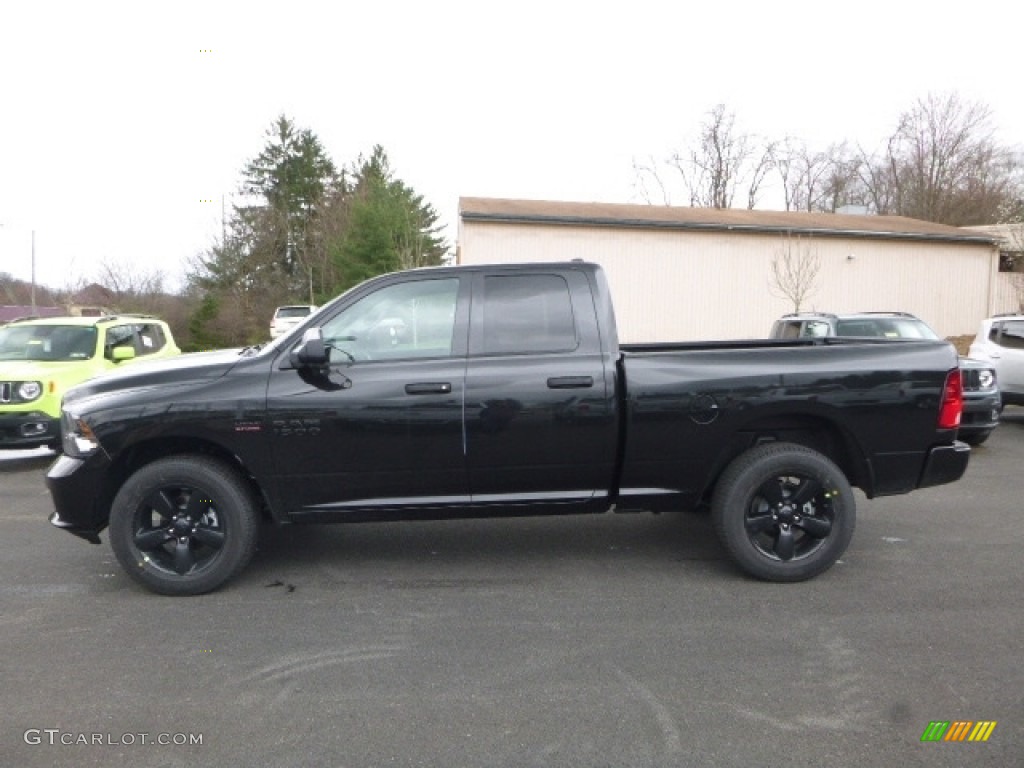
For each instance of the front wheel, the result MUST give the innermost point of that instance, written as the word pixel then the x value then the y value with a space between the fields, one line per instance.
pixel 784 512
pixel 183 525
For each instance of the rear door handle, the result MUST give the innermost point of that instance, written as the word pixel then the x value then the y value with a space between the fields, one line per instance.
pixel 428 388
pixel 570 382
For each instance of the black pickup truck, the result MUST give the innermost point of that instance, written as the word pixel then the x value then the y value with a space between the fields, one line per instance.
pixel 502 390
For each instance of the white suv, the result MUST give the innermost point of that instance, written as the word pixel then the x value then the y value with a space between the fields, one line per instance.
pixel 286 318
pixel 1000 340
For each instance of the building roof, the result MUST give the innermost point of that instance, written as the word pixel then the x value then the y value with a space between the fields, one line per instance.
pixel 10 312
pixel 713 219
pixel 1009 236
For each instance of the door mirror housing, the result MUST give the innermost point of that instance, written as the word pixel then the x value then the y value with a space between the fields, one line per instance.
pixel 120 354
pixel 311 352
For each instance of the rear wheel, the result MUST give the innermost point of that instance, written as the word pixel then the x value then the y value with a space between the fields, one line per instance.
pixel 183 525
pixel 784 512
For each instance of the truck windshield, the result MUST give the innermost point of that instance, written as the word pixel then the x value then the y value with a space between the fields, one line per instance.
pixel 47 342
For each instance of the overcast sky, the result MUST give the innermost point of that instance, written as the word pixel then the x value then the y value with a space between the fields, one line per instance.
pixel 124 125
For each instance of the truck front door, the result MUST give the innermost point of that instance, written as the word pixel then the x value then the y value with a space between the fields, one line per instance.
pixel 382 428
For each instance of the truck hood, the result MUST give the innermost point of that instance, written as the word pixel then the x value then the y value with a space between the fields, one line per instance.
pixel 972 363
pixel 195 366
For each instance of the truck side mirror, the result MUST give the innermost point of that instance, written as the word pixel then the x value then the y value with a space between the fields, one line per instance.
pixel 311 352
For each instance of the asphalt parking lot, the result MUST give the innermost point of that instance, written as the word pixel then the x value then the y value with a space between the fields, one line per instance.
pixel 591 641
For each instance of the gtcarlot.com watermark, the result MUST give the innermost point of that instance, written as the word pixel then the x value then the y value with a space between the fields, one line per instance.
pixel 58 737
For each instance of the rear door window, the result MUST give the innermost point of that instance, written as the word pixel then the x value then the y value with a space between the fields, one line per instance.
pixel 151 339
pixel 527 314
pixel 1012 335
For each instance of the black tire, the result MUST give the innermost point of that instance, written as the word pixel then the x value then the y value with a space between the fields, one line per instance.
pixel 784 512
pixel 184 525
pixel 977 438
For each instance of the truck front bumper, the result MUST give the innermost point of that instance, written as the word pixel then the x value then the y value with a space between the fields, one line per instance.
pixel 28 429
pixel 76 486
pixel 945 464
pixel 981 413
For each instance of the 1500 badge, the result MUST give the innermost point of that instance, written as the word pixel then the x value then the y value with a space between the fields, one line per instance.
pixel 296 427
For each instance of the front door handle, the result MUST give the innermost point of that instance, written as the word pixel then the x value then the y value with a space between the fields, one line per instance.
pixel 570 382
pixel 428 388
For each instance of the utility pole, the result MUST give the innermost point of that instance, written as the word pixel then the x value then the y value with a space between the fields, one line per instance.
pixel 33 271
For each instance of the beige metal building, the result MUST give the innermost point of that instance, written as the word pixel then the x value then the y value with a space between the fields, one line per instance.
pixel 679 274
pixel 1009 292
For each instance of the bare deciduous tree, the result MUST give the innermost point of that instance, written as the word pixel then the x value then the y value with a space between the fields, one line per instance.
pixel 645 176
pixel 721 162
pixel 839 185
pixel 130 283
pixel 815 181
pixel 942 164
pixel 794 270
pixel 758 172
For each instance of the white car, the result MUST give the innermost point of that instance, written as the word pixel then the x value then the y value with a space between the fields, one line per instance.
pixel 1000 340
pixel 286 318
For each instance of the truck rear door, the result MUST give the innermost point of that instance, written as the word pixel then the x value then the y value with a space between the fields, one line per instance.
pixel 541 414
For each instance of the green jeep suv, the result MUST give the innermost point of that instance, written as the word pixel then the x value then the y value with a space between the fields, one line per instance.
pixel 40 358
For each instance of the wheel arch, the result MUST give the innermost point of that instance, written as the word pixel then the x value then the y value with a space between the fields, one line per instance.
pixel 148 451
pixel 813 431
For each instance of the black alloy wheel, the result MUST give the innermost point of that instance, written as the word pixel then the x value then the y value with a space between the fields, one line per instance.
pixel 183 525
pixel 784 512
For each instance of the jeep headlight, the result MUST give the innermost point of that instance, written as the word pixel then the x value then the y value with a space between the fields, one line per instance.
pixel 28 391
pixel 77 437
pixel 987 379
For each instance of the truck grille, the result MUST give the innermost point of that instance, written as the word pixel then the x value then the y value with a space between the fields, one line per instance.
pixel 5 391
pixel 971 382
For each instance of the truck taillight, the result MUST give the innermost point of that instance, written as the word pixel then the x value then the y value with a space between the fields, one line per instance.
pixel 952 401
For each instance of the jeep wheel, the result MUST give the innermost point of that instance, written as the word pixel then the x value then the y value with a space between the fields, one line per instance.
pixel 183 525
pixel 784 512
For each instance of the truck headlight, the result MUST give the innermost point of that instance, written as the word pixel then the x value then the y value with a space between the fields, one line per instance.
pixel 987 379
pixel 29 390
pixel 77 437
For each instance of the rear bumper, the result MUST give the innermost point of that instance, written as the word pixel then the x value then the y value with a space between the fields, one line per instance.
pixel 945 464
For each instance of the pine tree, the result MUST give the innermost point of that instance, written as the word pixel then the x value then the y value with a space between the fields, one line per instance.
pixel 387 226
pixel 291 177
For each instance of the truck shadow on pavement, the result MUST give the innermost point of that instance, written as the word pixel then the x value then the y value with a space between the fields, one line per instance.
pixel 497 546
